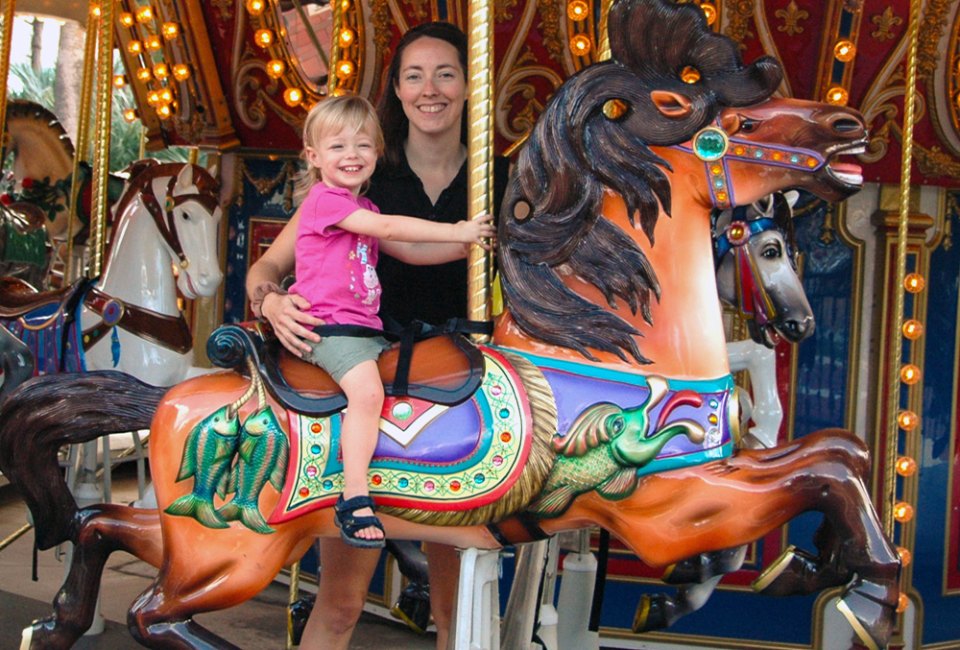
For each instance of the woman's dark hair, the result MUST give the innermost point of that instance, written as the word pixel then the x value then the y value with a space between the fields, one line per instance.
pixel 392 118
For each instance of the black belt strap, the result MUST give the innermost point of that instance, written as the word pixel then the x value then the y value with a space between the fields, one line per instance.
pixel 407 336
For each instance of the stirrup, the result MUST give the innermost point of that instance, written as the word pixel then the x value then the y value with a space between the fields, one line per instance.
pixel 350 525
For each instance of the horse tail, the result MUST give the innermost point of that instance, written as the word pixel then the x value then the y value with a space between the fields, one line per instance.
pixel 47 412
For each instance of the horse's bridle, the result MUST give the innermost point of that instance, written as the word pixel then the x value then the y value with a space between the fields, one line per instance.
pixel 715 148
pixel 753 300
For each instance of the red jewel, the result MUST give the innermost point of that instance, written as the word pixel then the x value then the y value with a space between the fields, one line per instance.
pixel 304 492
pixel 26 183
pixel 376 479
pixel 6 199
pixel 455 485
pixel 505 436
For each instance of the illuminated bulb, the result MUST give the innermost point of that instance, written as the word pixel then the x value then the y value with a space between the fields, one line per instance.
pixel 144 14
pixel 263 37
pixel 844 51
pixel 130 114
pixel 577 10
pixel 126 19
pixel 161 71
pixel 344 69
pixel 119 80
pixel 255 7
pixel 143 74
pixel 275 68
pixel 902 603
pixel 95 11
pixel 580 45
pixel 181 71
pixel 166 96
pixel 906 466
pixel 134 47
pixel 906 557
pixel 292 96
pixel 710 12
pixel 837 96
pixel 910 374
pixel 153 97
pixel 164 111
pixel 170 30
pixel 153 42
pixel 914 283
pixel 690 75
pixel 902 512
pixel 345 5
pixel 912 329
pixel 346 37
pixel 908 420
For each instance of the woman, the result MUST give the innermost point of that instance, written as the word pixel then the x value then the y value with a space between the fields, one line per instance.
pixel 422 173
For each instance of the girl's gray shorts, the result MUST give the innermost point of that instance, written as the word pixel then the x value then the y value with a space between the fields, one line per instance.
pixel 338 354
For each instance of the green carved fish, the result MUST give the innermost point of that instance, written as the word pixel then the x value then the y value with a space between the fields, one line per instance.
pixel 605 446
pixel 264 453
pixel 207 455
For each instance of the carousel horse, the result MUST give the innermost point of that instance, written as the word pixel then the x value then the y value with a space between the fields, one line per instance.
pixel 25 248
pixel 605 398
pixel 128 318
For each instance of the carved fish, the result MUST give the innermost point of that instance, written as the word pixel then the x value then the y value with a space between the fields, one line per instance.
pixel 605 446
pixel 207 456
pixel 264 453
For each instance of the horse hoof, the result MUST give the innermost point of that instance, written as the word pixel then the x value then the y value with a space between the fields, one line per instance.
pixel 655 612
pixel 795 572
pixel 868 608
pixel 701 568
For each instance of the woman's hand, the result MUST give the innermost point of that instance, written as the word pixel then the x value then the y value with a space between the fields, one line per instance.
pixel 284 312
pixel 477 231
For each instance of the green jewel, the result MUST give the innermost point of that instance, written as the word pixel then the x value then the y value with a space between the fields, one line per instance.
pixel 710 144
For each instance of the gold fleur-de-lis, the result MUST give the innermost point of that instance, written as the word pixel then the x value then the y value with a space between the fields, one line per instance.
pixel 792 16
pixel 885 23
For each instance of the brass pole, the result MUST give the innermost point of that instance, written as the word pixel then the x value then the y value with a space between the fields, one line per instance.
pixel 82 150
pixel 101 153
pixel 893 406
pixel 335 49
pixel 480 153
pixel 6 36
pixel 604 36
pixel 293 595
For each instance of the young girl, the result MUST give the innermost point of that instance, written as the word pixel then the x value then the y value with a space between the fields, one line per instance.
pixel 338 239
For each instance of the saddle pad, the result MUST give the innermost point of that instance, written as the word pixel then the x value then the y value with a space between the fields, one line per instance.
pixel 428 457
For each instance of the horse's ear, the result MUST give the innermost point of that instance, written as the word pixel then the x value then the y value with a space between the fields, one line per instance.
pixel 185 177
pixel 671 104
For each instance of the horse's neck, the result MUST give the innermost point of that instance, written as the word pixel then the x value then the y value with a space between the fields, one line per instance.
pixel 139 268
pixel 686 338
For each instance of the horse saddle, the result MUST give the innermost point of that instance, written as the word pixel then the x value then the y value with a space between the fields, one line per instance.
pixel 444 369
pixel 19 298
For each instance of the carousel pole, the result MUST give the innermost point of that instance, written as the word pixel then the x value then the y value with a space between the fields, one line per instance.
pixel 480 153
pixel 71 272
pixel 896 359
pixel 101 151
pixel 6 36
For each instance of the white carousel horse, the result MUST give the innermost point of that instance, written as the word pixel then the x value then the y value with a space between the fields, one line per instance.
pixel 164 238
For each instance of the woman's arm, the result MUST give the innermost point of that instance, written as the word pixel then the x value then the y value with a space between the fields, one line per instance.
pixel 268 301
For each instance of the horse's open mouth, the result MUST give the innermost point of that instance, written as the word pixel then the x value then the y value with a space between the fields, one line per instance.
pixel 849 175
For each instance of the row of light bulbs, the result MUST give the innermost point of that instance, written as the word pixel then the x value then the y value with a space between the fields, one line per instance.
pixel 161 98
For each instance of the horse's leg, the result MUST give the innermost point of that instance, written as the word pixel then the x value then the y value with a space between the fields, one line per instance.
pixel 209 570
pixel 103 529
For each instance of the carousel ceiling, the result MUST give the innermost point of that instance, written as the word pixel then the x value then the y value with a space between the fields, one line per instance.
pixel 254 67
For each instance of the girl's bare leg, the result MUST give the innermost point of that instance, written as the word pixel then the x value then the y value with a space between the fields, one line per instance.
pixel 361 425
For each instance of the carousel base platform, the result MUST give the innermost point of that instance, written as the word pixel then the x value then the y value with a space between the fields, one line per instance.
pixel 258 623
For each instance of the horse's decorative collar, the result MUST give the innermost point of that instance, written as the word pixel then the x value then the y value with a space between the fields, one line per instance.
pixel 715 148
pixel 171 332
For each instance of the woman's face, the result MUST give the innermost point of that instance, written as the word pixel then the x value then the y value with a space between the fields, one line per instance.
pixel 431 86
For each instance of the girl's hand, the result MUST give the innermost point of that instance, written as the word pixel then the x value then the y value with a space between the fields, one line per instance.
pixel 284 312
pixel 477 231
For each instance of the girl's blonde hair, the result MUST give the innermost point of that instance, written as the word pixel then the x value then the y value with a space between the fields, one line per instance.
pixel 333 115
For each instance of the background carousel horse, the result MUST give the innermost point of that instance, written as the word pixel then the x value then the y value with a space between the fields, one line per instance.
pixel 572 425
pixel 25 248
pixel 128 318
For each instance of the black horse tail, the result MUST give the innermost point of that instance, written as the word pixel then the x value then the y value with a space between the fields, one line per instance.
pixel 45 413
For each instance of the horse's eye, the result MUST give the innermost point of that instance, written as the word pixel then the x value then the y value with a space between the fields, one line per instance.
pixel 772 251
pixel 185 215
pixel 748 125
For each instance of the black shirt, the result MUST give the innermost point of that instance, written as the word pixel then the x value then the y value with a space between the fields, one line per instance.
pixel 432 294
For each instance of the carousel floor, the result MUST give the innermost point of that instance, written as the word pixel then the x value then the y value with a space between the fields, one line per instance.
pixel 259 623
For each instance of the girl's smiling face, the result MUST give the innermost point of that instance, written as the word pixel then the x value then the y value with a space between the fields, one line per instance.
pixel 345 159
pixel 431 86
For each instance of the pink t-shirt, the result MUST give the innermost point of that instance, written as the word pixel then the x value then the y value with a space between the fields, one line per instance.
pixel 336 269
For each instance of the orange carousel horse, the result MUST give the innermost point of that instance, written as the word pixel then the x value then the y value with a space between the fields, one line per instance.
pixel 604 400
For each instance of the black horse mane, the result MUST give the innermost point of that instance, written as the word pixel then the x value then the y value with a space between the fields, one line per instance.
pixel 550 222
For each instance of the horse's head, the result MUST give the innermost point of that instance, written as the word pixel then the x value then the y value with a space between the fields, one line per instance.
pixel 756 272
pixel 193 207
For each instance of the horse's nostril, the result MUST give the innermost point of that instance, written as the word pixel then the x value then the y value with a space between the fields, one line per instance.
pixel 847 125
